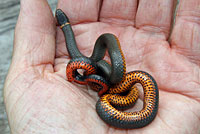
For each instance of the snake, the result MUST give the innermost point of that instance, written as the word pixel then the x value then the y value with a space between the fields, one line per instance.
pixel 117 89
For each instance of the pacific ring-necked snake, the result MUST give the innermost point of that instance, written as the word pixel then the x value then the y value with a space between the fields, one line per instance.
pixel 113 78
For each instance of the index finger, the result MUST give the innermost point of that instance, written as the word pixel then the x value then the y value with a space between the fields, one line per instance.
pixel 80 11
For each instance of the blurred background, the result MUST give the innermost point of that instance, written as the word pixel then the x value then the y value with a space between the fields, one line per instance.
pixel 9 11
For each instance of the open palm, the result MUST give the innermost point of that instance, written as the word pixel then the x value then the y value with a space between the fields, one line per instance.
pixel 38 97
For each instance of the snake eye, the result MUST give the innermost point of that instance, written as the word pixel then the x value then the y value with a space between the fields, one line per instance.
pixel 75 65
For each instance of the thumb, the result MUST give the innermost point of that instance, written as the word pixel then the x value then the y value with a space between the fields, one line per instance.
pixel 34 42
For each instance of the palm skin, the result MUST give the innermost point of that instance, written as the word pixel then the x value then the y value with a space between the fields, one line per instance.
pixel 39 99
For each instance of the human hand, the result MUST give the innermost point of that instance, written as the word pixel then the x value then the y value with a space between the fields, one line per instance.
pixel 38 97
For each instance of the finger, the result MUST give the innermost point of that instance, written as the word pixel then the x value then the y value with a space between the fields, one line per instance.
pixel 80 11
pixel 34 34
pixel 155 16
pixel 186 32
pixel 119 11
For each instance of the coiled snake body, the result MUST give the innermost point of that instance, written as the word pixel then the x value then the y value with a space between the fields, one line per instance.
pixel 111 80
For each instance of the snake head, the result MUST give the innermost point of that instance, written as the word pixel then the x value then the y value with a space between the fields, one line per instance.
pixel 61 17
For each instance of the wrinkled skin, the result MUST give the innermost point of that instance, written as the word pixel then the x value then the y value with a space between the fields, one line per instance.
pixel 38 97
